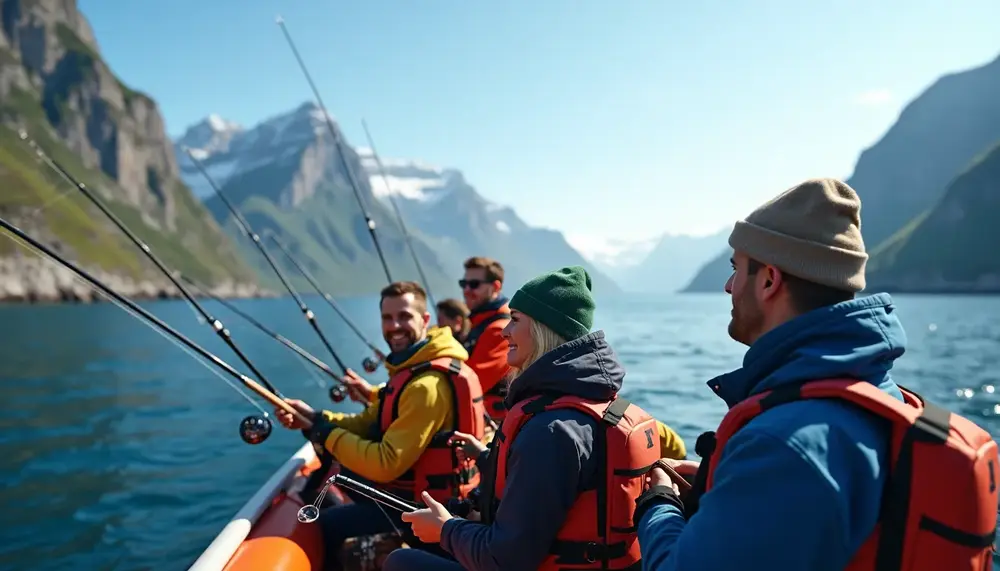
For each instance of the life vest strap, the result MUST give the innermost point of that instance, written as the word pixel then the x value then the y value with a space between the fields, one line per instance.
pixel 932 426
pixel 472 338
pixel 584 552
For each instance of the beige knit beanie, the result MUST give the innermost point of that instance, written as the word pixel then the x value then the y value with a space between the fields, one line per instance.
pixel 811 231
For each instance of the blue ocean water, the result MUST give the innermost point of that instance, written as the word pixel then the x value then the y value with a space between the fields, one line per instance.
pixel 120 451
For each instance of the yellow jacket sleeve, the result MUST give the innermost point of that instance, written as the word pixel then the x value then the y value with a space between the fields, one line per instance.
pixel 424 410
pixel 357 423
pixel 671 444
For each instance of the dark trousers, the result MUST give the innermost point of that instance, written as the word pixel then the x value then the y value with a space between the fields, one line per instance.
pixel 416 560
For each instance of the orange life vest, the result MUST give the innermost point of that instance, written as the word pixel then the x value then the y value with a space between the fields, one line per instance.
pixel 494 390
pixel 940 505
pixel 598 532
pixel 438 470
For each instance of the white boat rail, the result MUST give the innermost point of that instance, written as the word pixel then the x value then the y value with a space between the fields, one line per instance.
pixel 221 550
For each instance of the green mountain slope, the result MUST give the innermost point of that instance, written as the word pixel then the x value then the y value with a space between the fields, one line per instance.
pixel 906 172
pixel 952 246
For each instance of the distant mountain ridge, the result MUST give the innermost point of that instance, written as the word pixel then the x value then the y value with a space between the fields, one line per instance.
pixel 905 175
pixel 952 246
pixel 457 222
pixel 287 178
pixel 662 264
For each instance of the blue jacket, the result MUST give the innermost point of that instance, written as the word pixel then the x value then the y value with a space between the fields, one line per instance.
pixel 550 463
pixel 799 487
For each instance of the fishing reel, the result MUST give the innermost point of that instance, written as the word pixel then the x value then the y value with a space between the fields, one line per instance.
pixel 370 365
pixel 337 394
pixel 255 429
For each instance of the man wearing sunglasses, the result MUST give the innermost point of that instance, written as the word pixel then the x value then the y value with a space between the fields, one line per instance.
pixel 488 316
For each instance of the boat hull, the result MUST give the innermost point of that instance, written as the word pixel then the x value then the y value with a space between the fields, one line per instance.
pixel 266 535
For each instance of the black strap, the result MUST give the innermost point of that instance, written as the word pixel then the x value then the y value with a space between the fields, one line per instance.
pixel 932 426
pixel 612 416
pixel 704 447
pixel 584 552
pixel 476 332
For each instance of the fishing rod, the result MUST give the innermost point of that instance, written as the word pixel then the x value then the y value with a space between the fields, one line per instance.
pixel 245 227
pixel 399 214
pixel 310 512
pixel 336 393
pixel 370 365
pixel 213 322
pixel 338 144
pixel 253 429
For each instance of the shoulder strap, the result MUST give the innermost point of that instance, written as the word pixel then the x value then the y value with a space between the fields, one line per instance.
pixel 476 332
pixel 447 365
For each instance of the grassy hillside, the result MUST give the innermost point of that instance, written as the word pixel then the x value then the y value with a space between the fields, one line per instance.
pixel 43 203
pixel 952 246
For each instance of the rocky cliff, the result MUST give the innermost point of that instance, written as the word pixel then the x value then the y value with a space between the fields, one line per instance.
pixel 55 85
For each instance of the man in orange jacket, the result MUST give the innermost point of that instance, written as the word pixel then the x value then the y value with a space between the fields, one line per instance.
pixel 481 287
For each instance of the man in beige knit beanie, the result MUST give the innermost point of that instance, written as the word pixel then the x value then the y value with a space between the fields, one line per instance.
pixel 800 251
pixel 798 486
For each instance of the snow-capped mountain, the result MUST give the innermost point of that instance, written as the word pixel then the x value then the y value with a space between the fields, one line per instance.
pixel 613 256
pixel 663 263
pixel 286 176
pixel 458 222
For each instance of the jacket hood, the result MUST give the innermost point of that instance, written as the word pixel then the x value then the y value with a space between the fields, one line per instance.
pixel 858 339
pixel 586 367
pixel 438 343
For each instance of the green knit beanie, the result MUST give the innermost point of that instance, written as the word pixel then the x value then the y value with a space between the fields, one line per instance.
pixel 560 300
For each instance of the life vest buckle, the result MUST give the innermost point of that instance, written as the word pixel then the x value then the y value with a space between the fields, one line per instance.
pixel 590 551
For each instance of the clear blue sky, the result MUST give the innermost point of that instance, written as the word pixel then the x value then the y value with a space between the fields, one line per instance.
pixel 610 119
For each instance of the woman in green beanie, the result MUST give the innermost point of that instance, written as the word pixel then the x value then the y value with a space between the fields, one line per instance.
pixel 547 460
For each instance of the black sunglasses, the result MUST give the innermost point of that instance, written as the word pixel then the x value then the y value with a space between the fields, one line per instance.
pixel 470 284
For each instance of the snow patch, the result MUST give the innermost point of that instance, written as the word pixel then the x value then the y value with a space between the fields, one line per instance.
pixel 406 187
pixel 199 154
pixel 220 125
pixel 503 227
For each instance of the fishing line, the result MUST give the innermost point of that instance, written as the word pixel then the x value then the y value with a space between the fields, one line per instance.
pixel 244 226
pixel 338 144
pixel 370 365
pixel 216 325
pixel 305 355
pixel 253 429
pixel 399 214
pixel 45 257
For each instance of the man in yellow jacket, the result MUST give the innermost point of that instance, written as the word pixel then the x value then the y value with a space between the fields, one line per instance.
pixel 430 391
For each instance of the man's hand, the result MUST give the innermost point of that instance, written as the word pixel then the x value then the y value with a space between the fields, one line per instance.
pixel 427 523
pixel 289 420
pixel 658 477
pixel 358 389
pixel 686 468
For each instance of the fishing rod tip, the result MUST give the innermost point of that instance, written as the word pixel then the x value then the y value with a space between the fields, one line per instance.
pixel 279 20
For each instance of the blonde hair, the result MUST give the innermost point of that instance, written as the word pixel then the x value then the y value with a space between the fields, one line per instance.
pixel 543 340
